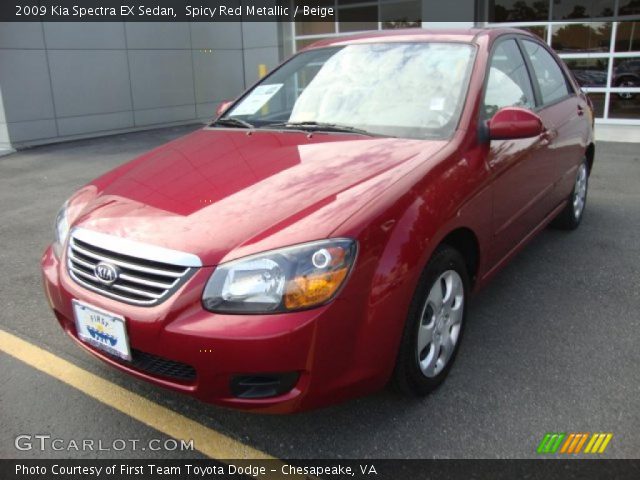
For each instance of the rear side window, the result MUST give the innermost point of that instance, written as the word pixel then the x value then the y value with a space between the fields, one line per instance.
pixel 552 82
pixel 508 84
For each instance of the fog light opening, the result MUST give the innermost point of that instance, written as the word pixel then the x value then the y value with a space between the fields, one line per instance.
pixel 263 385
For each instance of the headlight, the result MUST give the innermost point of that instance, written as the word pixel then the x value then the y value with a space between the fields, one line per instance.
pixel 62 230
pixel 292 278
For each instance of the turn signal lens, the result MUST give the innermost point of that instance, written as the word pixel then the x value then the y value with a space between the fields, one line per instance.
pixel 303 292
pixel 292 278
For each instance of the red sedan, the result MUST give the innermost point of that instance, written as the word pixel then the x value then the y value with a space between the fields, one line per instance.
pixel 322 236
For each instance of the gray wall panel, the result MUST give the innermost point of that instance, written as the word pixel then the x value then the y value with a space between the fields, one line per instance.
pixel 206 111
pixel 260 34
pixel 21 35
pixel 165 115
pixel 34 130
pixel 24 79
pixel 160 35
pixel 256 56
pixel 218 74
pixel 95 123
pixel 84 36
pixel 218 35
pixel 68 80
pixel 161 78
pixel 89 81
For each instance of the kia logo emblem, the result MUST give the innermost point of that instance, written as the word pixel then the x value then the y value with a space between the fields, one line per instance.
pixel 106 273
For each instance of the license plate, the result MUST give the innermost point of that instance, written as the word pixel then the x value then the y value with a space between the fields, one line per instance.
pixel 104 330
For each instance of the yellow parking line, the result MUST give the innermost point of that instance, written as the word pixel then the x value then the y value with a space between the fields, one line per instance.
pixel 207 441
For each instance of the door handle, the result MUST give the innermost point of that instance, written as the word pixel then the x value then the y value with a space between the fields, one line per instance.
pixel 580 110
pixel 548 136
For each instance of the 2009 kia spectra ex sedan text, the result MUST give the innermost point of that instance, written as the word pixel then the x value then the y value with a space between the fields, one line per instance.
pixel 323 235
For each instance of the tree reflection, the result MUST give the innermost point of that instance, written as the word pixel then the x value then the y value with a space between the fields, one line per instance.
pixel 519 11
pixel 594 37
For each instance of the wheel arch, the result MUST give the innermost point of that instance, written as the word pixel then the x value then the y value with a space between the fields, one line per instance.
pixel 466 242
pixel 590 154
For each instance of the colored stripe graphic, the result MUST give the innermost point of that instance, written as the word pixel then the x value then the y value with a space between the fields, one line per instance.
pixel 581 442
pixel 598 443
pixel 550 442
pixel 574 442
pixel 543 443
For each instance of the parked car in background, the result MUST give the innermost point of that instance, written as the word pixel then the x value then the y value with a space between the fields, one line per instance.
pixel 627 74
pixel 322 236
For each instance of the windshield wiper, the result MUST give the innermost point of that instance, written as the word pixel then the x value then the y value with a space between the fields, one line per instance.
pixel 320 127
pixel 232 122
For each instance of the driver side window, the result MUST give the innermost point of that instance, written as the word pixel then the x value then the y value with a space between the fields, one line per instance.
pixel 509 84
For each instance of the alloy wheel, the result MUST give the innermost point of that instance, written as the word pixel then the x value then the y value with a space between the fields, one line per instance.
pixel 440 323
pixel 580 191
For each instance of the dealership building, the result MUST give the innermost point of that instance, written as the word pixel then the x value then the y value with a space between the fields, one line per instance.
pixel 62 81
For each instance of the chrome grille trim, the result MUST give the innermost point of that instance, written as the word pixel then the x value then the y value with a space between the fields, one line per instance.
pixel 125 264
pixel 146 277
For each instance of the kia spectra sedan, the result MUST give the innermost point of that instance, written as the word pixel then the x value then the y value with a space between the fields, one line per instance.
pixel 321 238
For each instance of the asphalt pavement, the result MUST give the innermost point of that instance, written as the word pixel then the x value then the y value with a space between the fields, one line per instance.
pixel 551 344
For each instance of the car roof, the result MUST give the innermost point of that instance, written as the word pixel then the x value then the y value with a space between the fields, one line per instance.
pixel 468 35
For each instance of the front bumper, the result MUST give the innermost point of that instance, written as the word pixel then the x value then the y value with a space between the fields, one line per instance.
pixel 318 345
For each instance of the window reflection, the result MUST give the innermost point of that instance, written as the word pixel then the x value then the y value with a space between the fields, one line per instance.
pixel 508 83
pixel 315 28
pixel 626 72
pixel 624 105
pixel 518 10
pixel 589 72
pixel 540 31
pixel 629 7
pixel 581 37
pixel 401 14
pixel 628 36
pixel 350 19
pixel 597 99
pixel 570 9
pixel 551 80
pixel 327 25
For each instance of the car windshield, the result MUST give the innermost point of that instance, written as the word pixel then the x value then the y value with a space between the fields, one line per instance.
pixel 412 90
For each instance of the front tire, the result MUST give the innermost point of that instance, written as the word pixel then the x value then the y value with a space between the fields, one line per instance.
pixel 434 326
pixel 571 216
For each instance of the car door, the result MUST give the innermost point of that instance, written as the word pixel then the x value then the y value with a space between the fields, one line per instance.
pixel 564 114
pixel 520 179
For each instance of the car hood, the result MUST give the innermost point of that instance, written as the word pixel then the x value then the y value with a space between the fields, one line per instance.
pixel 222 194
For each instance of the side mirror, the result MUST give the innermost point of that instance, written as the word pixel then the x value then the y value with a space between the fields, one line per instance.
pixel 514 122
pixel 223 107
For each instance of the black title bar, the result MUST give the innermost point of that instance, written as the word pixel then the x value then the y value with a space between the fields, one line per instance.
pixel 585 469
pixel 169 11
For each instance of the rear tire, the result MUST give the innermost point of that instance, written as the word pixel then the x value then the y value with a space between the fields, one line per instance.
pixel 571 216
pixel 434 326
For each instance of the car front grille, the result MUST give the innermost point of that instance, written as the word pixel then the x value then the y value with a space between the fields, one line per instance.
pixel 140 281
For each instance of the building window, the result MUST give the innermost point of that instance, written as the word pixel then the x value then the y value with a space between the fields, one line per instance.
pixel 628 37
pixel 629 7
pixel 624 106
pixel 401 14
pixel 539 30
pixel 577 9
pixel 581 37
pixel 590 72
pixel 599 40
pixel 518 10
pixel 358 16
